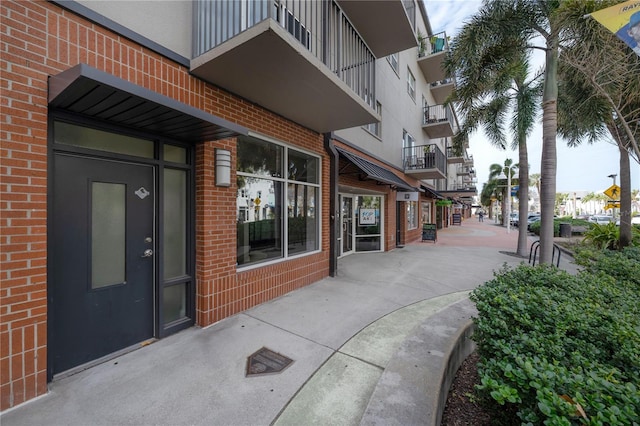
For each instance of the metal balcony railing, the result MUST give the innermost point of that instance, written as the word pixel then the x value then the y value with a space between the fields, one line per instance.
pixel 424 157
pixel 443 82
pixel 462 187
pixel 434 44
pixel 434 114
pixel 320 26
pixel 452 154
pixel 465 170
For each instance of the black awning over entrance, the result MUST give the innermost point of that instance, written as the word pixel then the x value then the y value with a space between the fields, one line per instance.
pixel 375 172
pixel 433 194
pixel 93 93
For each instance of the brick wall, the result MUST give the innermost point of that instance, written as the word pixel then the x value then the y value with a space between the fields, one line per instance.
pixel 40 39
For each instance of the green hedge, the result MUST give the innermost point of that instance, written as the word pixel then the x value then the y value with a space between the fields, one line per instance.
pixel 561 349
pixel 585 224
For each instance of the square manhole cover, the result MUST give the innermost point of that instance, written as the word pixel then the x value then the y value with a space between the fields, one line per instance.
pixel 266 361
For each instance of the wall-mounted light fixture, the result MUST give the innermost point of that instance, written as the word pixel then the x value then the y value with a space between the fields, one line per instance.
pixel 223 167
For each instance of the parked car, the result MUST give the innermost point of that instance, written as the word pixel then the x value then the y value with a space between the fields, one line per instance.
pixel 531 219
pixel 514 219
pixel 601 219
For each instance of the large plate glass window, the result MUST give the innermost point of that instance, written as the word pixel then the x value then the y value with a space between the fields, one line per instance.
pixel 277 201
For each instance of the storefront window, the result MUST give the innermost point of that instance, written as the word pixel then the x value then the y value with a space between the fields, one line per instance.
pixel 412 214
pixel 267 231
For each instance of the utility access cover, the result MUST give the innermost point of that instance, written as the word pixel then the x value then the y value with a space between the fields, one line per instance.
pixel 266 361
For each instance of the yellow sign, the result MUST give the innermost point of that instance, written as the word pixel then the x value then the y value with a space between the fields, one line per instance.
pixel 257 201
pixel 623 20
pixel 613 192
pixel 612 206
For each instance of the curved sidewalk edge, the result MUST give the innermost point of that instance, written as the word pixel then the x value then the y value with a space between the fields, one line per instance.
pixel 414 385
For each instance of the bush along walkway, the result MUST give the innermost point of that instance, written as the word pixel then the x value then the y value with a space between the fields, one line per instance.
pixel 561 349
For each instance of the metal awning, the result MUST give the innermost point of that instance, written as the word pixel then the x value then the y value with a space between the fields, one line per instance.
pixel 93 93
pixel 432 193
pixel 376 172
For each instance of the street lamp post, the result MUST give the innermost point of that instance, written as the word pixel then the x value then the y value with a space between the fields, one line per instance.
pixel 613 210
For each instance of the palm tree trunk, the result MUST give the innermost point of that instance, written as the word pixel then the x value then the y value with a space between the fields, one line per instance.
pixel 523 195
pixel 625 198
pixel 549 162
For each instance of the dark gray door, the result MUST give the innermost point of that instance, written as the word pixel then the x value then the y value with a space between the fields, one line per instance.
pixel 103 260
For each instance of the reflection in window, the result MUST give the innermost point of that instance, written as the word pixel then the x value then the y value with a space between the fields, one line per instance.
pixel 302 221
pixel 368 233
pixel 259 158
pixel 261 201
pixel 412 214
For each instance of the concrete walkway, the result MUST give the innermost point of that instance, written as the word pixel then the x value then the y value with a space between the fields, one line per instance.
pixel 342 333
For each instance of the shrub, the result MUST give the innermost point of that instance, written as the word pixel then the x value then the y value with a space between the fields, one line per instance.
pixel 607 236
pixel 561 349
pixel 603 236
pixel 575 223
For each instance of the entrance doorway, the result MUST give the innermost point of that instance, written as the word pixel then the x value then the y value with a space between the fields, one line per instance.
pixel 362 223
pixel 103 259
pixel 346 219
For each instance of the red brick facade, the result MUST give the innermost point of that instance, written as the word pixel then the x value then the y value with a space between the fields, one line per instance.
pixel 39 39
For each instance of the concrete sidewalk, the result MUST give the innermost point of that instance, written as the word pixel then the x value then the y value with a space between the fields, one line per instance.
pixel 341 333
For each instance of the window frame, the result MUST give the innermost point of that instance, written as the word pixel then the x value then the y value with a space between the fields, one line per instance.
pixel 390 59
pixel 411 84
pixel 285 181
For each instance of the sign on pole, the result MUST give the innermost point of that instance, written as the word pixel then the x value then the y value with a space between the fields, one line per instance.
pixel 613 192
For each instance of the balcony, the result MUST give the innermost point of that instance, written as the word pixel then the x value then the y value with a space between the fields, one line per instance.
pixel 463 170
pixel 463 191
pixel 454 158
pixel 441 89
pixel 431 60
pixel 302 60
pixel 438 121
pixel 424 162
pixel 386 26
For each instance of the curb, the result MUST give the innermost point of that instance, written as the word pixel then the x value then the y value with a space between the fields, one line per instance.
pixel 414 386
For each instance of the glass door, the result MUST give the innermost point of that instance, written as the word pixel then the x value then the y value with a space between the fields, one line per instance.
pixel 345 241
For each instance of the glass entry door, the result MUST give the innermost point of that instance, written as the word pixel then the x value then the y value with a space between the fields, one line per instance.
pixel 346 219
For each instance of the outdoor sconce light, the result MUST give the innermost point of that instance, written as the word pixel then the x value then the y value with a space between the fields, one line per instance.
pixel 223 167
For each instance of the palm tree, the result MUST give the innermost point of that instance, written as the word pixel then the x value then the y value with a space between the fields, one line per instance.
pixel 601 71
pixel 505 92
pixel 495 173
pixel 487 195
pixel 497 37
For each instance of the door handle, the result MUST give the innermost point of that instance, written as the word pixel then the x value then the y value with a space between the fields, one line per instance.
pixel 147 253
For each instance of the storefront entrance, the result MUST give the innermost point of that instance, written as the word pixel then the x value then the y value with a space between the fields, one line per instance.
pixel 103 225
pixel 120 241
pixel 362 221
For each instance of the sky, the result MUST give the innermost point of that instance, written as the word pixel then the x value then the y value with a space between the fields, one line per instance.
pixel 584 168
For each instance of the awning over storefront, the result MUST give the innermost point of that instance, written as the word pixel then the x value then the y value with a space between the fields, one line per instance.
pixel 375 172
pixel 432 193
pixel 93 93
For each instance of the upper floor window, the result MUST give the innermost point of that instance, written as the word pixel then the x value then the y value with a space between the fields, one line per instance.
pixel 411 84
pixel 394 61
pixel 408 141
pixel 375 128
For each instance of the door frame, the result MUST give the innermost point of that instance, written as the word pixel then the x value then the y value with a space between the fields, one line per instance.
pixel 160 330
pixel 341 253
